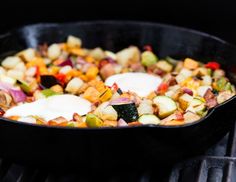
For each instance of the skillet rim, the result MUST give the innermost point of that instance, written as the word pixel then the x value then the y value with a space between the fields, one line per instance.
pixel 117 22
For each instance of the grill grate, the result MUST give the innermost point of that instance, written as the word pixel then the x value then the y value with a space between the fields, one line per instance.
pixel 217 165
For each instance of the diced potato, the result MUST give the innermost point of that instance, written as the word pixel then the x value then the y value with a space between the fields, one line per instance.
pixel 31 71
pixel 145 107
pixel 200 72
pixel 185 100
pixel 206 80
pixel 165 66
pixel 110 54
pixel 223 96
pixel 65 69
pixel 106 112
pixel 57 89
pixel 218 73
pixel 183 75
pixel 92 73
pixel 202 90
pixel 19 75
pixel 2 71
pixel 97 53
pixel 10 62
pixel 20 67
pixel 7 79
pixel 91 94
pixel 54 51
pixel 190 117
pixel 128 56
pixel 190 64
pixel 74 85
pixel 28 54
pixel 73 41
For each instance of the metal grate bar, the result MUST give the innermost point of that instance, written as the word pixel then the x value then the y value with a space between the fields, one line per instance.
pixel 230 172
pixel 215 175
pixel 202 172
pixel 231 146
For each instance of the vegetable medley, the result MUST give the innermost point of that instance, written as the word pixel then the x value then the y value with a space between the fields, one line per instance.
pixel 174 92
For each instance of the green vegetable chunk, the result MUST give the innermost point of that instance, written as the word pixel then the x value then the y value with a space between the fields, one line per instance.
pixel 149 119
pixel 93 121
pixel 166 105
pixel 48 92
pixel 148 58
pixel 128 111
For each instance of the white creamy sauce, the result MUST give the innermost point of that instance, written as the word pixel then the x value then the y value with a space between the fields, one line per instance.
pixel 140 83
pixel 52 107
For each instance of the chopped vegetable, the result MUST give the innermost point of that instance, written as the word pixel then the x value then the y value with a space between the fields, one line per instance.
pixel 10 62
pixel 213 65
pixel 48 81
pixel 148 58
pixel 74 85
pixel 149 119
pixel 17 95
pixel 164 66
pixel 100 88
pixel 93 121
pixel 54 51
pixel 165 105
pixel 126 111
pixel 190 64
pixel 48 92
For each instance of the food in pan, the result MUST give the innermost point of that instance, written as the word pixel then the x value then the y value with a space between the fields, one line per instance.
pixel 64 84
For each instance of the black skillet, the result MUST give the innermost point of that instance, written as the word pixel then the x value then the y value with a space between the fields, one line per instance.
pixel 131 146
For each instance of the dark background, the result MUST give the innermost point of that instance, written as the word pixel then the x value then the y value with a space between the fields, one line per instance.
pixel 216 17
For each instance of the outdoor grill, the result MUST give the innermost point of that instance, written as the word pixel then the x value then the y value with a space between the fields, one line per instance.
pixel 218 164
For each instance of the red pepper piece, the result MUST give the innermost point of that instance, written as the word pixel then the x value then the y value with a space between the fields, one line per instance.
pixel 147 48
pixel 212 65
pixel 61 78
pixel 163 87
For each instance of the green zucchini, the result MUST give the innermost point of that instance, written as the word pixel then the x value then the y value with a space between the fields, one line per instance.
pixel 148 58
pixel 166 105
pixel 127 111
pixel 149 119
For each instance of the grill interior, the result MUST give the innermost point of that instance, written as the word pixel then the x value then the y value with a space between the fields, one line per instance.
pixel 218 164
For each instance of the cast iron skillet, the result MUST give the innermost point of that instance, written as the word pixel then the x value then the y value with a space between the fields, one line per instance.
pixel 132 146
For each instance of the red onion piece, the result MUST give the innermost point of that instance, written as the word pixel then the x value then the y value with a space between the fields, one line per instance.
pixel 120 100
pixel 67 62
pixel 121 122
pixel 17 95
pixel 188 91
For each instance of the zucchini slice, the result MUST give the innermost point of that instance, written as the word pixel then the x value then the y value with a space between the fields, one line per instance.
pixel 149 119
pixel 127 111
pixel 166 105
